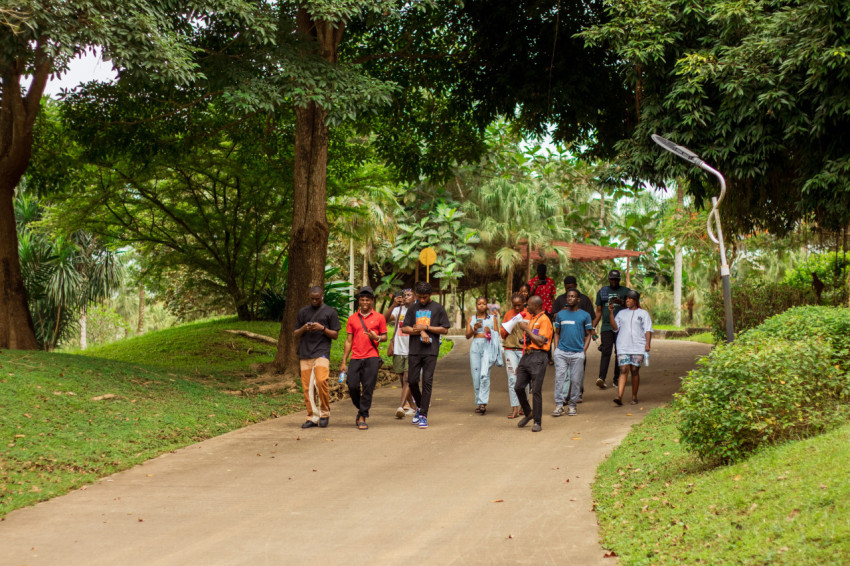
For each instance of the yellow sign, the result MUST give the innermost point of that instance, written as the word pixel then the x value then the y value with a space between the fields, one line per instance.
pixel 428 256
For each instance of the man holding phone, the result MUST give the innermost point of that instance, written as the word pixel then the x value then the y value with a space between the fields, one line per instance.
pixel 615 293
pixel 316 326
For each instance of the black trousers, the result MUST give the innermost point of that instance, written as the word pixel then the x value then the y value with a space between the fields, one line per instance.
pixel 532 369
pixel 421 367
pixel 362 377
pixel 609 344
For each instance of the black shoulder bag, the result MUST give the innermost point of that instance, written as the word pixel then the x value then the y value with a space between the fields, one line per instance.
pixel 374 344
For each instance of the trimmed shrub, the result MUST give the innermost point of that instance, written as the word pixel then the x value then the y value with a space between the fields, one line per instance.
pixel 752 303
pixel 789 378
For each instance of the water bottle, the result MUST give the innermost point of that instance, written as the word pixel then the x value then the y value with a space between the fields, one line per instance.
pixel 342 376
pixel 646 359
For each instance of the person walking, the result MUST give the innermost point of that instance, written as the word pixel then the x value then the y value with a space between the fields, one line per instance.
pixel 573 327
pixel 513 345
pixel 615 294
pixel 535 360
pixel 634 335
pixel 544 287
pixel 316 327
pixel 584 303
pixel 424 323
pixel 482 354
pixel 366 329
pixel 399 348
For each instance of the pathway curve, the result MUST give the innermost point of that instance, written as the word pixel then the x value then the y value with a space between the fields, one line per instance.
pixel 467 490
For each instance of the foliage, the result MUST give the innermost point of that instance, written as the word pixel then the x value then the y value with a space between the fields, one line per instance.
pixel 788 378
pixel 658 504
pixel 105 325
pixel 831 270
pixel 62 274
pixel 336 296
pixel 756 88
pixel 753 301
pixel 65 438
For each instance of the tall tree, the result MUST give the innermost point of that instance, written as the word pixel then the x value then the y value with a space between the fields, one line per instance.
pixel 37 39
pixel 757 88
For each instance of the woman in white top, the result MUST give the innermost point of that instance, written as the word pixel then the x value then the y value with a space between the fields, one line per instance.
pixel 480 329
pixel 633 326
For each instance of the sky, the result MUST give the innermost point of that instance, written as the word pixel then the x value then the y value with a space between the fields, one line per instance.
pixel 82 69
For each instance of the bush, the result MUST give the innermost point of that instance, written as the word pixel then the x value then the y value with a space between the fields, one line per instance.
pixel 788 378
pixel 752 303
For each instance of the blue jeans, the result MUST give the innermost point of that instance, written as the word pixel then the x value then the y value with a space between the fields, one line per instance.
pixel 569 376
pixel 479 363
pixel 512 359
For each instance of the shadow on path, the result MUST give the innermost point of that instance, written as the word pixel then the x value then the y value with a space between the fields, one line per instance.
pixel 470 489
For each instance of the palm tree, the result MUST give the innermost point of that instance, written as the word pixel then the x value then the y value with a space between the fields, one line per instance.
pixel 506 213
pixel 62 275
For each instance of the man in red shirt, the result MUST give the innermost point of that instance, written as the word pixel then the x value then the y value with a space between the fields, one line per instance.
pixel 366 329
pixel 543 287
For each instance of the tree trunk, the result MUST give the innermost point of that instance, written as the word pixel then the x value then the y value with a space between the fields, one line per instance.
pixel 308 248
pixel 84 339
pixel 677 264
pixel 17 331
pixel 364 276
pixel 510 284
pixel 17 116
pixel 140 327
pixel 351 276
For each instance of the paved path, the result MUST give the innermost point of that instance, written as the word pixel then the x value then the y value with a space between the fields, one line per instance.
pixel 467 490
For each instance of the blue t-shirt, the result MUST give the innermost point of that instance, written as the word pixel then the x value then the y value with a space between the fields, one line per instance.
pixel 572 326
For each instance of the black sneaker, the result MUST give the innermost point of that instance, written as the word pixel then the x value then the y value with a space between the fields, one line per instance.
pixel 524 421
pixel 323 422
pixel 536 428
pixel 309 424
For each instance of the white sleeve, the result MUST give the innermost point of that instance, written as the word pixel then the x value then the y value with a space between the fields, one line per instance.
pixel 647 325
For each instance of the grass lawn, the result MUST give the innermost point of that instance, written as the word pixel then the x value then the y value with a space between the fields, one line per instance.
pixel 703 337
pixel 57 437
pixel 204 349
pixel 167 390
pixel 658 504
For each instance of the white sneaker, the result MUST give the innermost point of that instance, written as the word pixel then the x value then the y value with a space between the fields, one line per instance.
pixel 399 413
pixel 571 412
pixel 559 411
pixel 408 412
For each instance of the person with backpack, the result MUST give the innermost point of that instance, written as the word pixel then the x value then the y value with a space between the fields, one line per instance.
pixel 365 329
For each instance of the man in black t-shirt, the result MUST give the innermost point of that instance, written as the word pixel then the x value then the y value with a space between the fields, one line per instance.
pixel 316 326
pixel 615 293
pixel 425 321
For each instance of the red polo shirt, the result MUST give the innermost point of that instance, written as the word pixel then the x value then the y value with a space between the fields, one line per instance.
pixel 361 346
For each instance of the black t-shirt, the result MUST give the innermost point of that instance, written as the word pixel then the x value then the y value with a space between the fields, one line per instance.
pixel 316 344
pixel 584 303
pixel 432 314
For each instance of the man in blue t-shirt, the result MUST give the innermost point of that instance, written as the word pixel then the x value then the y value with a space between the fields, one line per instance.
pixel 573 328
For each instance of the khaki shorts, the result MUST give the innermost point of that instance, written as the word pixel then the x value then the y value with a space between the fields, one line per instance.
pixel 399 364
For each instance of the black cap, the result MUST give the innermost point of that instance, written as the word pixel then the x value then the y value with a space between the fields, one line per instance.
pixel 570 280
pixel 365 290
pixel 613 274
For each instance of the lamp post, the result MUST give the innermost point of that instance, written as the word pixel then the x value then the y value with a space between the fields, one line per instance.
pixel 692 157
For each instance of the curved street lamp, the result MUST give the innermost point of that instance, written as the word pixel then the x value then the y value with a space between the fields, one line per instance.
pixel 692 157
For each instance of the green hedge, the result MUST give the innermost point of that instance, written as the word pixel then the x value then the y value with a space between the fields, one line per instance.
pixel 788 378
